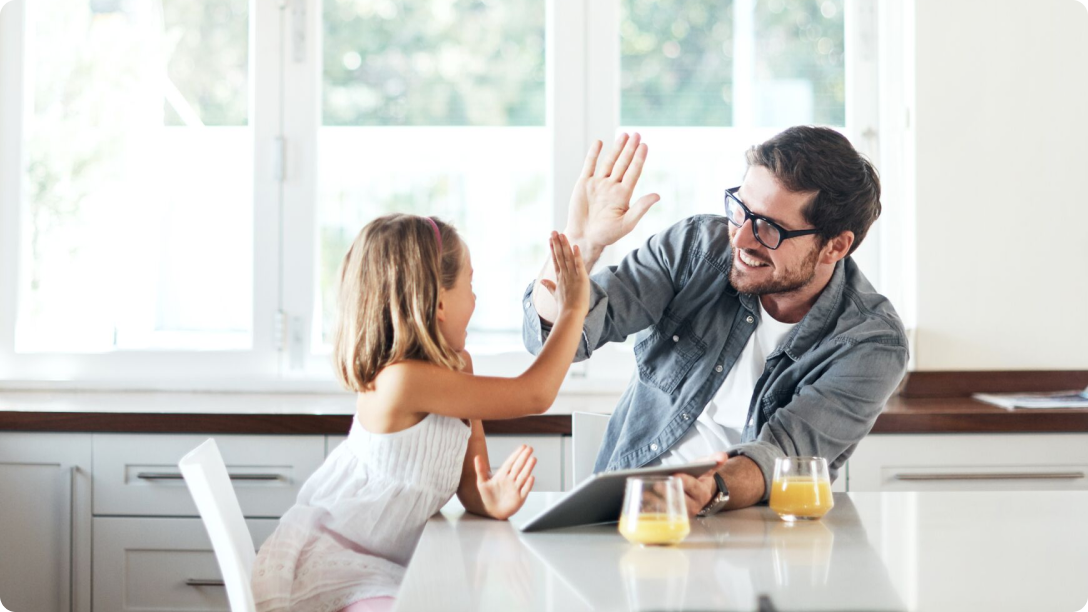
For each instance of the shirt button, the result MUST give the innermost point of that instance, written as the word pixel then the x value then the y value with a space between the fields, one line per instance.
pixel 527 304
pixel 653 447
pixel 676 338
pixel 685 416
pixel 749 319
pixel 718 368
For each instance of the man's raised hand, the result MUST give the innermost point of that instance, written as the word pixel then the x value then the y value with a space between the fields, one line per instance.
pixel 600 207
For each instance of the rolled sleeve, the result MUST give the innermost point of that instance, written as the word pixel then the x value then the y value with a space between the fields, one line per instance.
pixel 533 333
pixel 626 298
pixel 535 330
pixel 830 416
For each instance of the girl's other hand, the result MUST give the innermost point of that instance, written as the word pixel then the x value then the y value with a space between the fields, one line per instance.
pixel 571 286
pixel 504 492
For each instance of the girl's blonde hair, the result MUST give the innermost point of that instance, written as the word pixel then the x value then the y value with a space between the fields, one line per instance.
pixel 389 290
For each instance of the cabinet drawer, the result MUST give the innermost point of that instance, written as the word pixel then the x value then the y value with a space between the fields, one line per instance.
pixel 971 462
pixel 155 564
pixel 548 451
pixel 137 475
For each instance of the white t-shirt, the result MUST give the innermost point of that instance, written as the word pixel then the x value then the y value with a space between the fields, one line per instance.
pixel 722 421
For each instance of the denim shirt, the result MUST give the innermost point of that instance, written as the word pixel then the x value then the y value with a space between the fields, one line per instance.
pixel 820 391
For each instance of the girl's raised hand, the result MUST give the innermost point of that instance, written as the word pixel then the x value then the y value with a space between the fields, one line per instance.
pixel 571 286
pixel 505 491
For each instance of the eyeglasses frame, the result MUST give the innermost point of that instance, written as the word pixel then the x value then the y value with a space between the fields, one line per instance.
pixel 784 234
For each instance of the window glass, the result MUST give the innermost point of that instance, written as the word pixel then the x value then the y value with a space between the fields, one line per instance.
pixel 703 81
pixel 437 108
pixel 137 213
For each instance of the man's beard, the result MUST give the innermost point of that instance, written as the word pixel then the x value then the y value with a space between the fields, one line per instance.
pixel 789 280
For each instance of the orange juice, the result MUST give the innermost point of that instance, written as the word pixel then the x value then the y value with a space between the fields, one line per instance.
pixel 801 498
pixel 654 528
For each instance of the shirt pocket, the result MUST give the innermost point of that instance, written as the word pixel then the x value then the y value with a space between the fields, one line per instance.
pixel 666 356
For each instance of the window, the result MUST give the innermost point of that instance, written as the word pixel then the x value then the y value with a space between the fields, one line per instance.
pixel 703 81
pixel 179 179
pixel 435 112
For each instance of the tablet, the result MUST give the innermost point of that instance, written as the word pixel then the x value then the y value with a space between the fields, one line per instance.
pixel 599 499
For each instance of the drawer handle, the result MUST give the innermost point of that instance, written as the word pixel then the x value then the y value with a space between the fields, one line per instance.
pixel 178 476
pixel 994 476
pixel 204 582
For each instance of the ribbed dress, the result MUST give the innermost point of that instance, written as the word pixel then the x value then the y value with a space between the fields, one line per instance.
pixel 359 517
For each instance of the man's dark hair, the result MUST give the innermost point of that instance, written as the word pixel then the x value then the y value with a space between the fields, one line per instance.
pixel 818 159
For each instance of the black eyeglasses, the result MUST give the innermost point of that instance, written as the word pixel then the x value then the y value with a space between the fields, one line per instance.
pixel 767 232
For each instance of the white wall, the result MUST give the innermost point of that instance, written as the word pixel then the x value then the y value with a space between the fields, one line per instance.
pixel 1001 129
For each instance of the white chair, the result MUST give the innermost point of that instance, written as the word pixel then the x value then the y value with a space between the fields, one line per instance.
pixel 587 429
pixel 209 484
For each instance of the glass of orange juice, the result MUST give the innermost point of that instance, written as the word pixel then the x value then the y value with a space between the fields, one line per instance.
pixel 654 513
pixel 801 489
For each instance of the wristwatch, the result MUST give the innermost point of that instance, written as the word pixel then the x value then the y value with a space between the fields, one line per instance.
pixel 719 500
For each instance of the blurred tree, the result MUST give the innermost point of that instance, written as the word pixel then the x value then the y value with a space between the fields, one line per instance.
pixel 434 62
pixel 207 58
pixel 677 58
pixel 676 62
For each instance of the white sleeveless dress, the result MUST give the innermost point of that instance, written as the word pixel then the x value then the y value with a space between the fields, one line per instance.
pixel 359 517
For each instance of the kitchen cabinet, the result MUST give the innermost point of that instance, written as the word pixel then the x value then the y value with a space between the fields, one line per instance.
pixel 970 462
pixel 45 522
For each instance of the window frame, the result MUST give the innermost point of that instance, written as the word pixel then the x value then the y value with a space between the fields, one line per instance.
pixel 146 368
pixel 582 60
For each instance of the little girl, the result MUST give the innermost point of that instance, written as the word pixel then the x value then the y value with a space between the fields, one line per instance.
pixel 404 305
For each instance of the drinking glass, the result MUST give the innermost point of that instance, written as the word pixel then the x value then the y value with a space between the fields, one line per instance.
pixel 801 489
pixel 654 512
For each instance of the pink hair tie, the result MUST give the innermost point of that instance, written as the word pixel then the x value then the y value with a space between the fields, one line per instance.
pixel 437 235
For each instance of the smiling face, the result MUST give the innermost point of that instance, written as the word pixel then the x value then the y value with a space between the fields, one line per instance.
pixel 455 307
pixel 793 265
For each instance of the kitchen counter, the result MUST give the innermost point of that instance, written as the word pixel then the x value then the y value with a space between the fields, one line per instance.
pixel 232 413
pixel 873 551
pixel 330 413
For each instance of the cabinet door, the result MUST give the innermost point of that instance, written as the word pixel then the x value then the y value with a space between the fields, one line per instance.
pixel 548 450
pixel 331 442
pixel 156 564
pixel 45 522
pixel 970 462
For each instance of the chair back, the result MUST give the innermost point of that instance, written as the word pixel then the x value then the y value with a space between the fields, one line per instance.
pixel 588 429
pixel 206 476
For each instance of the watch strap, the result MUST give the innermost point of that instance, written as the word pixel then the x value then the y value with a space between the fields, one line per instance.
pixel 718 501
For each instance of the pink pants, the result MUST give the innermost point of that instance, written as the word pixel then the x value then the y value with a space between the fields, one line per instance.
pixel 374 604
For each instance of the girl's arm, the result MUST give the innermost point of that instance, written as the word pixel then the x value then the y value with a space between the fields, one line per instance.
pixel 497 495
pixel 424 387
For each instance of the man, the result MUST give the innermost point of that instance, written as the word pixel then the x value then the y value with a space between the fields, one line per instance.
pixel 757 332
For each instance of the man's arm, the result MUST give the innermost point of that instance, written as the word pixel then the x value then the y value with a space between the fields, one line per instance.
pixel 600 210
pixel 824 419
pixel 833 413
pixel 741 475
pixel 629 297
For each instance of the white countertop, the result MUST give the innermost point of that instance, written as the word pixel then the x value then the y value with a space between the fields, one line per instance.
pixel 219 402
pixel 873 551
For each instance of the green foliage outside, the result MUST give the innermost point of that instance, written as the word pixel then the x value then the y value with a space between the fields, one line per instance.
pixel 677 58
pixel 433 62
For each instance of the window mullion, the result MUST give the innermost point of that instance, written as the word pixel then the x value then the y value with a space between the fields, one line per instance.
pixel 267 111
pixel 12 26
pixel 863 109
pixel 301 120
pixel 567 80
pixel 603 70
